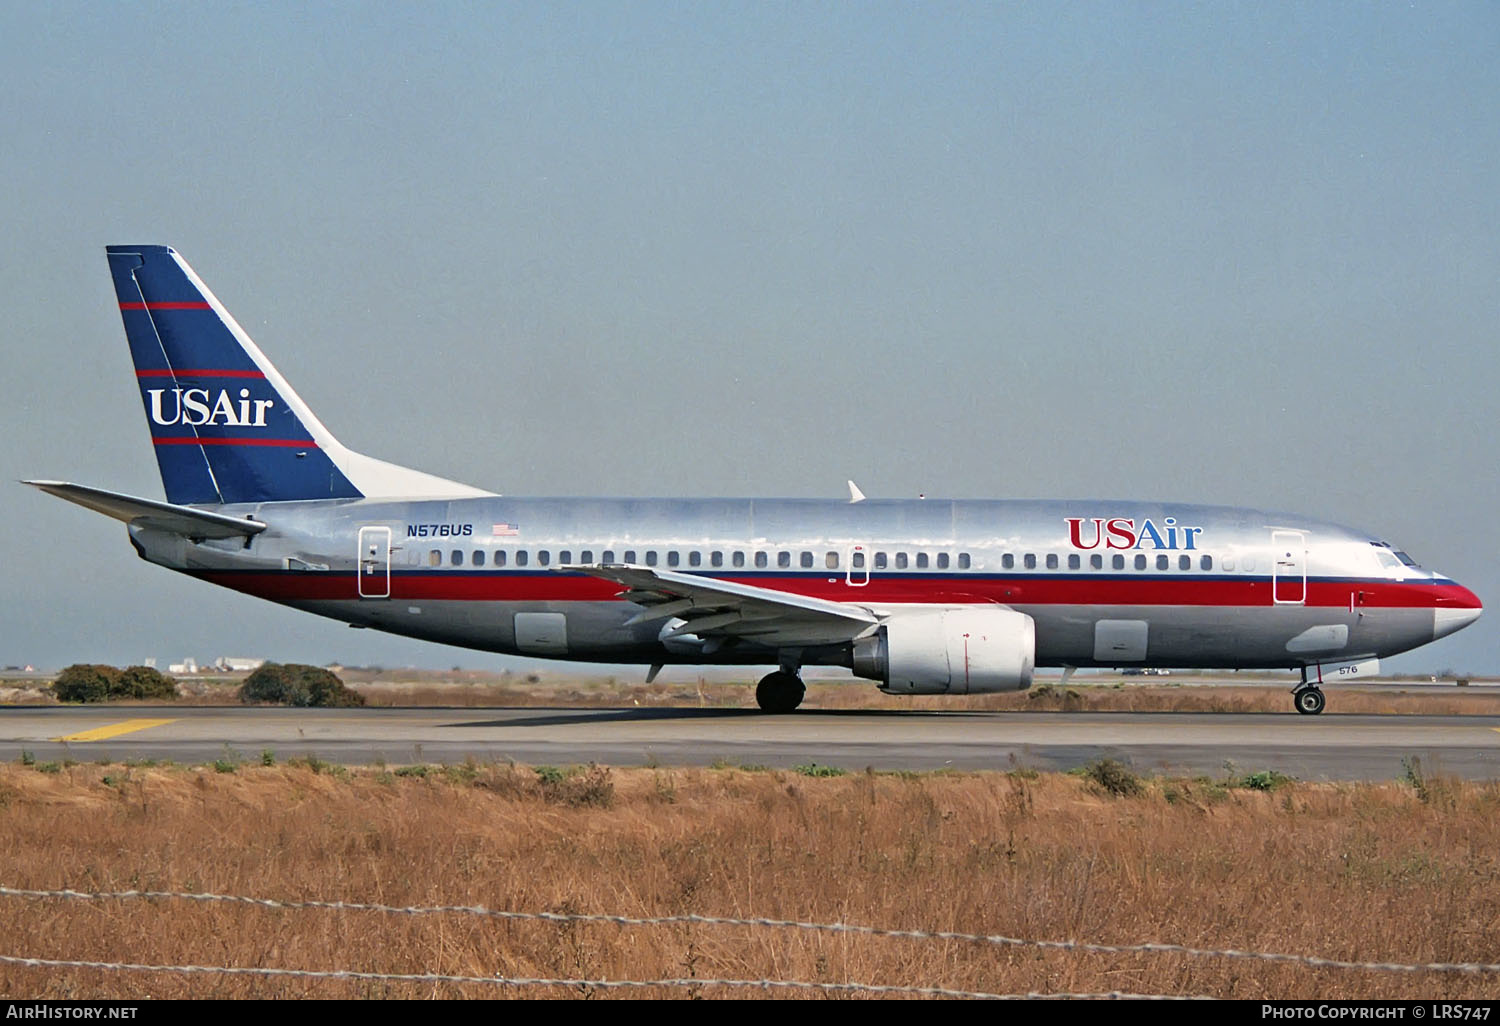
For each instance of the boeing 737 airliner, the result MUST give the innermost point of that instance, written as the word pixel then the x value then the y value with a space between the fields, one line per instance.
pixel 923 596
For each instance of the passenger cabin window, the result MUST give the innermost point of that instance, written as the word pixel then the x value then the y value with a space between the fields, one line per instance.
pixel 630 555
pixel 586 556
pixel 479 558
pixel 880 561
pixel 1140 561
pixel 1184 562
pixel 1206 563
pixel 963 561
pixel 857 561
pixel 543 558
pixel 1118 562
pixel 783 559
pixel 456 557
pixel 1096 561
pixel 650 557
pixel 739 559
pixel 942 561
pixel 565 557
pixel 1051 561
pixel 900 561
pixel 500 558
pixel 761 562
pixel 716 559
pixel 921 561
pixel 1075 562
pixel 521 557
pixel 672 558
pixel 435 558
pixel 1163 562
pixel 695 558
pixel 1029 561
pixel 1007 562
pixel 831 561
pixel 806 559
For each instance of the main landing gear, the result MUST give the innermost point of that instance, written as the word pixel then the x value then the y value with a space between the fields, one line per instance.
pixel 780 692
pixel 1308 698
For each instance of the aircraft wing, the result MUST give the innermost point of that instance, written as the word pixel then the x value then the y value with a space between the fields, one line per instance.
pixel 165 516
pixel 711 608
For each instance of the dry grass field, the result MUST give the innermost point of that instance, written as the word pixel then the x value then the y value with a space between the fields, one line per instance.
pixel 1401 872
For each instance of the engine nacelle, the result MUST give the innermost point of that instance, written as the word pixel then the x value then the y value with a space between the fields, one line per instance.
pixel 961 651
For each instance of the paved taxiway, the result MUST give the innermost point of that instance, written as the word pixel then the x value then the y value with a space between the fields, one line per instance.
pixel 1331 746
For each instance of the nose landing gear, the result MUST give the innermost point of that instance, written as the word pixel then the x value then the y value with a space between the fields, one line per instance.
pixel 1308 698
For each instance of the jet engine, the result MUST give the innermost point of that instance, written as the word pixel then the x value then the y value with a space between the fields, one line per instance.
pixel 961 651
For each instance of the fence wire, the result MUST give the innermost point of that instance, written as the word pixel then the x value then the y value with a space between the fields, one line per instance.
pixel 578 984
pixel 1155 948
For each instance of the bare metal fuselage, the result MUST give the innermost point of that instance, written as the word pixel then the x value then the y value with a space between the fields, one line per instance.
pixel 1107 583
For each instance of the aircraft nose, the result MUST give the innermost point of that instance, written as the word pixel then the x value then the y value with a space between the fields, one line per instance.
pixel 1456 608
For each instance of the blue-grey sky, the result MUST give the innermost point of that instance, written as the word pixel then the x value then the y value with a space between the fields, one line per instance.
pixel 1228 253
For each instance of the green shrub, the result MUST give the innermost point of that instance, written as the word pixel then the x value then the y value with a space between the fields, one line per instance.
pixel 297 684
pixel 144 682
pixel 812 769
pixel 94 682
pixel 1114 778
pixel 577 786
pixel 1265 780
pixel 86 682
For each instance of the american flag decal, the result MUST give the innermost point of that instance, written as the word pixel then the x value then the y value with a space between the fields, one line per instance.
pixel 506 530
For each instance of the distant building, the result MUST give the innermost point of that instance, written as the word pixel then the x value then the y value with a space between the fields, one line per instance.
pixel 188 665
pixel 233 664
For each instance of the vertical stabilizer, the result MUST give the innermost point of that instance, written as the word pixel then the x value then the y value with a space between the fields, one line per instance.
pixel 226 426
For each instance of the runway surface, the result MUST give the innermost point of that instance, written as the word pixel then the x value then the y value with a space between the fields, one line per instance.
pixel 1331 746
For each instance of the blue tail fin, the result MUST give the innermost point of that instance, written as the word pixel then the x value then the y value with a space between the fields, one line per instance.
pixel 227 427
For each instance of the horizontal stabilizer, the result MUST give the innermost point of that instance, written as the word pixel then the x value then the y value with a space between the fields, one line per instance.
pixel 185 520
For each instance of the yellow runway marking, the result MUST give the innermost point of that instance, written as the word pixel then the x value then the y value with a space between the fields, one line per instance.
pixel 113 730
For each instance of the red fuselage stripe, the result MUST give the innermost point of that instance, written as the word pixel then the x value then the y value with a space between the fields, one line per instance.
pixel 513 586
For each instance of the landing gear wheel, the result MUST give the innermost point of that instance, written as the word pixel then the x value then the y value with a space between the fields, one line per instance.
pixel 1309 701
pixel 779 692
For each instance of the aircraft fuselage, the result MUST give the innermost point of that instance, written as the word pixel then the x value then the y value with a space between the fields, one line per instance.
pixel 1172 585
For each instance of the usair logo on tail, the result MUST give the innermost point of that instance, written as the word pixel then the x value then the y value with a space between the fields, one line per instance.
pixel 197 407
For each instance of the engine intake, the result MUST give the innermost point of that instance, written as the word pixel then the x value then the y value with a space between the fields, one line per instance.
pixel 964 651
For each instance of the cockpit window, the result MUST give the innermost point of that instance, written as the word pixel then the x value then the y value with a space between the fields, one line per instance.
pixel 1397 553
pixel 1388 562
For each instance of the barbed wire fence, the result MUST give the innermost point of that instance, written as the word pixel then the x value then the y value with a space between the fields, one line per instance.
pixel 805 986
